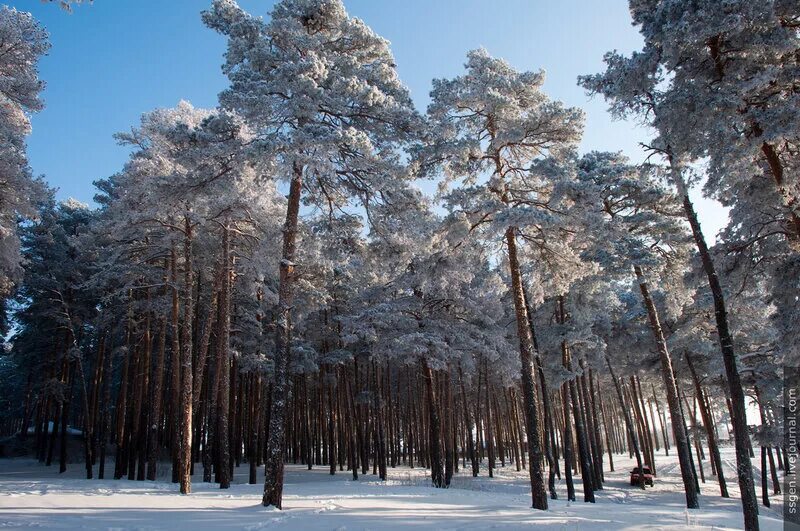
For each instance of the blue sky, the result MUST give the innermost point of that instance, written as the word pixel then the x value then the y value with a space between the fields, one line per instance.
pixel 113 60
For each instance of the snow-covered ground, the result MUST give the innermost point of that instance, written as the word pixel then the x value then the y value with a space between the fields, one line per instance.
pixel 32 495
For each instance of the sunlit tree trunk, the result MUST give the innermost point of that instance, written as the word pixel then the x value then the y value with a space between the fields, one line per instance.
pixel 538 493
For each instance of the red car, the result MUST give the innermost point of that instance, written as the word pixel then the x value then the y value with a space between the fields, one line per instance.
pixel 648 476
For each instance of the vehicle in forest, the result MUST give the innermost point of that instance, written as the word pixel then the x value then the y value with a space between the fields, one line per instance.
pixel 648 476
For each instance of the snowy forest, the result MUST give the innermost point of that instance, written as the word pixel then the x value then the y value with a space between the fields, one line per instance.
pixel 317 278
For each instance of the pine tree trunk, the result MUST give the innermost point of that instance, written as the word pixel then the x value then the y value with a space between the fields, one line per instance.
pixel 596 419
pixel 120 462
pixel 689 443
pixel 764 484
pixel 569 447
pixel 584 454
pixel 713 447
pixel 203 350
pixel 379 421
pixel 332 453
pixel 62 447
pixel 105 423
pixel 549 442
pixel 488 423
pixel 766 421
pixel 649 457
pixel 157 397
pixel 580 433
pixel 175 368
pixel 273 484
pixel 185 444
pixel 591 427
pixel 626 415
pixel 435 431
pixel 549 445
pixel 140 429
pixel 223 360
pixel 662 421
pixel 448 429
pixel 744 467
pixel 606 429
pixel 697 447
pixel 469 426
pixel 673 401
pixel 26 413
pixel 538 493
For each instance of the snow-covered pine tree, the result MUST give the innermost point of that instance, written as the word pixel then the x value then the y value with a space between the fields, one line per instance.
pixel 22 42
pixel 488 126
pixel 321 91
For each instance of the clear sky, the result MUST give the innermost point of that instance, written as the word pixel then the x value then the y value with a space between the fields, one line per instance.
pixel 113 60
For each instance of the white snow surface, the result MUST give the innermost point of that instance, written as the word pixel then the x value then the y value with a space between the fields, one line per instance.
pixel 35 496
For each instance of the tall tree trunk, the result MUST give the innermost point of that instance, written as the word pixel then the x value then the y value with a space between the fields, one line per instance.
pixel 744 468
pixel 469 425
pixel 713 447
pixel 552 464
pixel 764 484
pixel 626 415
pixel 591 427
pixel 577 414
pixel 223 360
pixel 435 431
pixel 273 484
pixel 186 364
pixel 538 493
pixel 105 423
pixel 673 401
pixel 569 447
pixel 662 420
pixel 175 368
pixel 332 387
pixel 157 398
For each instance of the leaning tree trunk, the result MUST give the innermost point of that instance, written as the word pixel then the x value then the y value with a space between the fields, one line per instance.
pixel 673 401
pixel 273 484
pixel 538 493
pixel 744 468
pixel 186 364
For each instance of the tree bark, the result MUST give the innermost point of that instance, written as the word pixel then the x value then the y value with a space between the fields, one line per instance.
pixel 175 367
pixel 673 401
pixel 744 468
pixel 626 415
pixel 538 493
pixel 185 457
pixel 434 433
pixel 469 425
pixel 223 360
pixel 273 484
pixel 713 447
